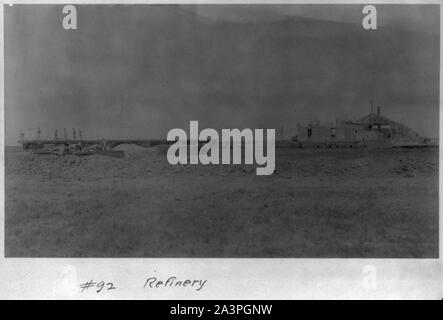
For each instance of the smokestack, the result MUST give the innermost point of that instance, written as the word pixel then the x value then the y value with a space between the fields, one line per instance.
pixel 379 110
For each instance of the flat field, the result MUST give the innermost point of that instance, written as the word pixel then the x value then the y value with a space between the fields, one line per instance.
pixel 380 203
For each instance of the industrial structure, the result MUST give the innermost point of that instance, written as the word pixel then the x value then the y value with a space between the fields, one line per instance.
pixel 373 129
pixel 76 145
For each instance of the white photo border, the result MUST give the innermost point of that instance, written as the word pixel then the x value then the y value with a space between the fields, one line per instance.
pixel 231 278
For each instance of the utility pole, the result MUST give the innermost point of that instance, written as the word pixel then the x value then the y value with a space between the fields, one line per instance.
pixel 38 133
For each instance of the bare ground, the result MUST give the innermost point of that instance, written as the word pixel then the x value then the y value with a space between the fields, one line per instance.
pixel 327 203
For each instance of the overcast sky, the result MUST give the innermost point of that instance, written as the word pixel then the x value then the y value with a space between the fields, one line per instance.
pixel 138 71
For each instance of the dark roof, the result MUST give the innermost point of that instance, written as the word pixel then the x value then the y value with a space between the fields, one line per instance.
pixel 373 118
pixel 355 123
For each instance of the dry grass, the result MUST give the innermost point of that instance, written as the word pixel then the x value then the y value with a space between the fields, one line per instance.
pixel 331 203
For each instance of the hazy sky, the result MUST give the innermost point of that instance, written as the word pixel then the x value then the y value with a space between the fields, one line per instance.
pixel 137 71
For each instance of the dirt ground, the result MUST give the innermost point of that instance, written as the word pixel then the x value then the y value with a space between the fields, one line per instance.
pixel 319 203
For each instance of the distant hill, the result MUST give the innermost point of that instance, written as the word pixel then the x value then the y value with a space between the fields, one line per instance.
pixel 159 68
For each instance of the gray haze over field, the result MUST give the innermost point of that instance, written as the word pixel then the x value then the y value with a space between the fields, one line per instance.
pixel 137 71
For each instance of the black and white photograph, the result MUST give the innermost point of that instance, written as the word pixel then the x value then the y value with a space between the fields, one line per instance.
pixel 228 131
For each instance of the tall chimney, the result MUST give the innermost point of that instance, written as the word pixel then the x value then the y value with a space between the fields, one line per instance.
pixel 379 110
